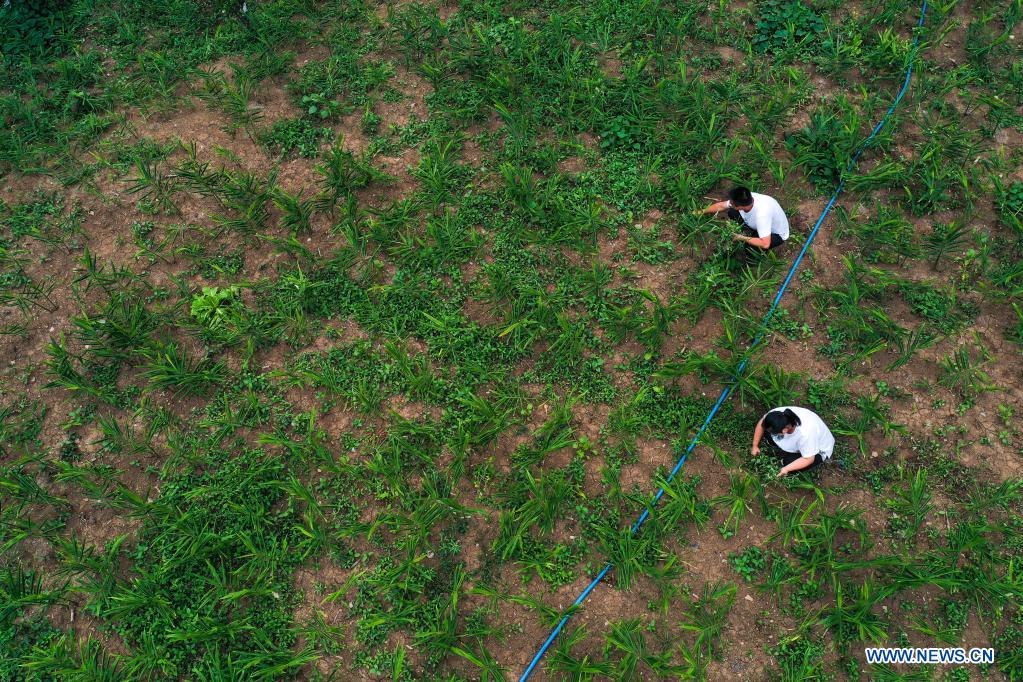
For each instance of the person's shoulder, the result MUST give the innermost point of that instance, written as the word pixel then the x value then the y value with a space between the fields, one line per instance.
pixel 812 419
pixel 804 413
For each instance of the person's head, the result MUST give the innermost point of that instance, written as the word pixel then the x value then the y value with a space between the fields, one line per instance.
pixel 741 198
pixel 780 421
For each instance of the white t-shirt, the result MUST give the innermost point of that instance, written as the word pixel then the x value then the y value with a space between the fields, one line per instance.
pixel 810 438
pixel 766 217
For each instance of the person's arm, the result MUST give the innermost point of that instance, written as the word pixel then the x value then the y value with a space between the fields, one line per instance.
pixel 796 465
pixel 760 242
pixel 716 207
pixel 763 238
pixel 758 433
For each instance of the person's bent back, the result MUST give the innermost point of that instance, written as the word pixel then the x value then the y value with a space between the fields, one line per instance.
pixel 765 224
pixel 800 438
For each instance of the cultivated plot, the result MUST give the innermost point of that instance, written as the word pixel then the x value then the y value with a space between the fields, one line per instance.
pixel 347 340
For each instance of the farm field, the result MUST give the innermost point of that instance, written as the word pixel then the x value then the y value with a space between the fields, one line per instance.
pixel 347 340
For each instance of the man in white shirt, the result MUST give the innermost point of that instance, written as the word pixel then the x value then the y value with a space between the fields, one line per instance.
pixel 802 438
pixel 764 223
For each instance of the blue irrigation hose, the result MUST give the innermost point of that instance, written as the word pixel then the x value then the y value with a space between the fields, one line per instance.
pixel 742 366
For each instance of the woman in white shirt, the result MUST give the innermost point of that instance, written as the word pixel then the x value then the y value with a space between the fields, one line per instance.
pixel 801 438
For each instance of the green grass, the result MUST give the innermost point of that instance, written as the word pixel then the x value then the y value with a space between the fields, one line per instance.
pixel 364 375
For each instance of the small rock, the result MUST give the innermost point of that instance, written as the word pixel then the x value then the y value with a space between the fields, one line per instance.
pixel 748 597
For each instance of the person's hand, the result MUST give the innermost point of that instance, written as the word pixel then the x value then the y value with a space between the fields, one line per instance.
pixel 740 237
pixel 781 473
pixel 755 450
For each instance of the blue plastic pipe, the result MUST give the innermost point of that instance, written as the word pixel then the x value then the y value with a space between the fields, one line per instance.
pixel 742 366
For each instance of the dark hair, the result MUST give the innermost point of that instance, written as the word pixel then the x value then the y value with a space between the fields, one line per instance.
pixel 740 196
pixel 776 420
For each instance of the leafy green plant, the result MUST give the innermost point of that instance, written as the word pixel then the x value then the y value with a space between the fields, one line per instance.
pixel 706 618
pixel 784 24
pixel 631 554
pixel 907 345
pixel 944 239
pixel 294 136
pixel 296 210
pixel 564 660
pixel 155 187
pixel 370 122
pixel 743 489
pixel 220 311
pixel 748 563
pixel 490 669
pixel 873 413
pixel 854 615
pixel 30 27
pixel 622 132
pixel 964 372
pixel 175 370
pixel 911 504
pixel 887 238
pixel 800 658
pixel 1010 200
pixel 319 105
pixel 65 657
pixel 942 309
pixel 232 96
pixel 823 148
pixel 342 172
pixel 1015 331
pixel 627 643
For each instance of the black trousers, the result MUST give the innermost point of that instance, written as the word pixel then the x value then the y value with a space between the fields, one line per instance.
pixel 789 457
pixel 776 240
